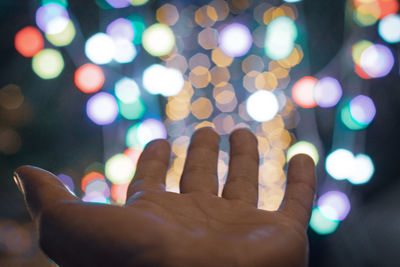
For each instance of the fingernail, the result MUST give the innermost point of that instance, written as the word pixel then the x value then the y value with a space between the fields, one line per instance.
pixel 18 182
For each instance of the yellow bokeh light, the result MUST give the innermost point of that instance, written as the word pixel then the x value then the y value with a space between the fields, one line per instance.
pixel 208 38
pixel 220 58
pixel 180 146
pixel 167 14
pixel 219 76
pixel 279 138
pixel 204 124
pixel 221 7
pixel 249 81
pixel 48 63
pixel 205 16
pixel 202 108
pixel 64 37
pixel 266 80
pixel 199 59
pixel 178 62
pixel 200 77
pixel 252 63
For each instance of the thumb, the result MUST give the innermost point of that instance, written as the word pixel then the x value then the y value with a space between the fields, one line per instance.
pixel 41 189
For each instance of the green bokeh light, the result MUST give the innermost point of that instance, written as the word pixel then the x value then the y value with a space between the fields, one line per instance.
pixel 48 63
pixel 322 225
pixel 158 40
pixel 348 120
pixel 279 39
pixel 132 111
pixel 139 27
pixel 63 3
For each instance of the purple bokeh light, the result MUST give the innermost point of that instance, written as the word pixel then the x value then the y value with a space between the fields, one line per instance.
pixel 52 18
pixel 235 40
pixel 118 3
pixel 67 181
pixel 327 92
pixel 335 205
pixel 362 109
pixel 121 28
pixel 102 108
pixel 377 61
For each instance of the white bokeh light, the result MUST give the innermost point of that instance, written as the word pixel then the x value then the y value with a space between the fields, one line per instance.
pixel 127 90
pixel 262 106
pixel 119 169
pixel 149 130
pixel 339 164
pixel 125 51
pixel 100 48
pixel 389 28
pixel 377 61
pixel 158 79
pixel 102 108
pixel 362 171
pixel 334 205
pixel 235 40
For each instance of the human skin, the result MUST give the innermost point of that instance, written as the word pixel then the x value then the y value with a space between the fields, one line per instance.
pixel 193 228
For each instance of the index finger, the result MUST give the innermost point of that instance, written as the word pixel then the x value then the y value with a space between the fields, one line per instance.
pixel 300 189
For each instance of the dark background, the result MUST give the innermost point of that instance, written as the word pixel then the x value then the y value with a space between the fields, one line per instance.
pixel 57 135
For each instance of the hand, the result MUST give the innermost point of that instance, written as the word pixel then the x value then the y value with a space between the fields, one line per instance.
pixel 193 228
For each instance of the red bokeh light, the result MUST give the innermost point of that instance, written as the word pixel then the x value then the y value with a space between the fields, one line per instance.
pixel 89 78
pixel 28 41
pixel 90 177
pixel 303 92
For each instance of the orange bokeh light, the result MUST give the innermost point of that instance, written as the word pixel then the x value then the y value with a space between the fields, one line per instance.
pixel 28 41
pixel 303 92
pixel 90 177
pixel 89 78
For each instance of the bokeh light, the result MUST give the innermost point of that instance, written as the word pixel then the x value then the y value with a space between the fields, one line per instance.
pixel 334 205
pixel 388 28
pixel 363 170
pixel 132 110
pixel 235 40
pixel 362 109
pixel 262 106
pixel 100 48
pixel 121 28
pixel 280 37
pixel 339 164
pixel 125 51
pixel 28 41
pixel 127 90
pixel 63 38
pixel 303 147
pixel 52 18
pixel 102 108
pixel 90 177
pixel 303 92
pixel 327 92
pixel 158 40
pixel 89 78
pixel 119 169
pixel 48 63
pixel 377 61
pixel 322 225
pixel 67 181
pixel 118 3
pixel 158 79
pixel 142 133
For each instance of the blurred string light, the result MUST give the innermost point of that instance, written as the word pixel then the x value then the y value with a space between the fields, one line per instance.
pixel 334 205
pixel 321 224
pixel 303 147
pixel 303 92
pixel 52 18
pixel 262 106
pixel 119 169
pixel 235 40
pixel 64 37
pixel 102 108
pixel 28 41
pixel 158 79
pixel 327 92
pixel 89 78
pixel 158 40
pixel 377 60
pixel 388 28
pixel 280 37
pixel 48 63
pixel 142 133
pixel 100 48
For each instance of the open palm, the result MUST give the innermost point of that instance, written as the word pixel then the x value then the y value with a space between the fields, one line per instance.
pixel 193 228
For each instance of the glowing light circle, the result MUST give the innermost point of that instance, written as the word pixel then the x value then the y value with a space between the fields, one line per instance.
pixel 28 41
pixel 125 51
pixel 52 18
pixel 118 3
pixel 280 37
pixel 235 40
pixel 303 92
pixel 121 28
pixel 158 79
pixel 64 37
pixel 377 61
pixel 339 164
pixel 388 28
pixel 327 92
pixel 362 109
pixel 119 169
pixel 303 147
pixel 100 48
pixel 262 106
pixel 89 78
pixel 127 90
pixel 362 171
pixel 158 40
pixel 102 108
pixel 48 63
pixel 334 205
pixel 322 225
pixel 143 133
